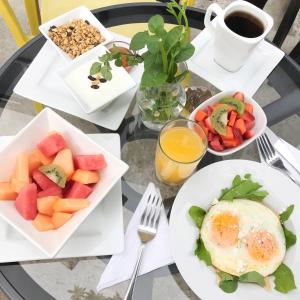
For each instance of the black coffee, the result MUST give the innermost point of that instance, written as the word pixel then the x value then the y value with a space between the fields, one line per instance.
pixel 244 24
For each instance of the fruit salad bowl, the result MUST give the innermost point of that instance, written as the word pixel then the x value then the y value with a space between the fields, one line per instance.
pixel 18 212
pixel 231 120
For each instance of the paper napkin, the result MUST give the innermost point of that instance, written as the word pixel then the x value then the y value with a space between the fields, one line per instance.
pixel 284 149
pixel 156 254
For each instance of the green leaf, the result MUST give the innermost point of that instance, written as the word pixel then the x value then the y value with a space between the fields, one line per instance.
pixel 118 62
pixel 253 277
pixel 185 53
pixel 153 44
pixel 284 279
pixel 152 61
pixel 290 237
pixel 257 196
pixel 202 253
pixel 139 40
pixel 106 73
pixel 197 214
pixel 173 37
pixel 236 180
pixel 152 78
pixel 284 216
pixel 156 24
pixel 228 283
pixel 95 68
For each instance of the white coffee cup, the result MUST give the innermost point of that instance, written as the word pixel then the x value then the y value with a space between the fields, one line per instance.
pixel 230 49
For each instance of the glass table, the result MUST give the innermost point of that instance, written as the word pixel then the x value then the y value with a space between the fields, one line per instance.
pixel 77 278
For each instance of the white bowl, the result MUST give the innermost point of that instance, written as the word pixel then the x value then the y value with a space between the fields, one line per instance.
pixel 80 12
pixel 258 129
pixel 50 242
pixel 92 99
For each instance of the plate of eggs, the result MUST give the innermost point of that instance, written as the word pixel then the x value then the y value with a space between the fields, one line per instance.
pixel 234 227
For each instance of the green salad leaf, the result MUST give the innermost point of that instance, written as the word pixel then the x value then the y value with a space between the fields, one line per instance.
pixel 284 279
pixel 202 253
pixel 243 189
pixel 228 283
pixel 253 277
pixel 290 237
pixel 284 216
pixel 197 214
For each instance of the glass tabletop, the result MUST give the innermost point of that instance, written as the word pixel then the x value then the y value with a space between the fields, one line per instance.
pixel 77 278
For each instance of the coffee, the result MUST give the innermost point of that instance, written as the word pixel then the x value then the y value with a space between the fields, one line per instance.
pixel 244 24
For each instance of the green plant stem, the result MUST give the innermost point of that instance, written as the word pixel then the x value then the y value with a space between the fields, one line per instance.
pixel 164 57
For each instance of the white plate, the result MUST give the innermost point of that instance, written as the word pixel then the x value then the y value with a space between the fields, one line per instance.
pixel 92 99
pixel 101 234
pixel 248 79
pixel 80 12
pixel 50 242
pixel 206 185
pixel 41 83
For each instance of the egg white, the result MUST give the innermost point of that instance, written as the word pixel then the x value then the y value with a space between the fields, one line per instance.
pixel 253 217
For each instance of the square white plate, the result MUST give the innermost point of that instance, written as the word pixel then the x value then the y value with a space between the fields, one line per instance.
pixel 101 234
pixel 92 99
pixel 51 242
pixel 80 12
pixel 41 83
pixel 248 79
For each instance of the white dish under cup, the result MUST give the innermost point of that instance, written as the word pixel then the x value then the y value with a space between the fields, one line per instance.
pixel 230 49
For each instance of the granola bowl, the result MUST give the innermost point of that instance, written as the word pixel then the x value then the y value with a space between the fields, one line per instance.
pixel 75 32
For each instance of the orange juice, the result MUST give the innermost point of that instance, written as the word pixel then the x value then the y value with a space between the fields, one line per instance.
pixel 177 154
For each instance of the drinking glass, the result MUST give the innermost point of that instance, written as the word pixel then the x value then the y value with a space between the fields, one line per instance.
pixel 181 145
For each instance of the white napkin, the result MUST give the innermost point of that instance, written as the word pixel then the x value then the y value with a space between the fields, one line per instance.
pixel 282 146
pixel 156 254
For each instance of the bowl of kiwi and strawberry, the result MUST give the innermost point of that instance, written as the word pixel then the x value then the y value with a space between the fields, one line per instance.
pixel 231 121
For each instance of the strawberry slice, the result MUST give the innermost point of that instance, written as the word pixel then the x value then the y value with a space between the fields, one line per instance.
pixel 208 124
pixel 211 136
pixel 248 134
pixel 216 145
pixel 209 110
pixel 239 96
pixel 247 117
pixel 237 135
pixel 249 124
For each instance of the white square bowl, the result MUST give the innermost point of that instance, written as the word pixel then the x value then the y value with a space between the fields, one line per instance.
pixel 258 129
pixel 120 83
pixel 81 12
pixel 50 242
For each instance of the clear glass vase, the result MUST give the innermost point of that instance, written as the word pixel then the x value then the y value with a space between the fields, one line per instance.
pixel 158 105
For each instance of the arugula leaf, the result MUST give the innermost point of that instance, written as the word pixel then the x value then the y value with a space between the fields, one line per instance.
pixel 257 196
pixel 284 216
pixel 197 214
pixel 202 253
pixel 253 277
pixel 290 237
pixel 236 180
pixel 228 283
pixel 284 279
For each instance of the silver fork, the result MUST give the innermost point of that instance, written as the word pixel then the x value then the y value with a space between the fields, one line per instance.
pixel 146 231
pixel 271 156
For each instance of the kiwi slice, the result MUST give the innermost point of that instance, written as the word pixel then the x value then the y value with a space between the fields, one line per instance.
pixel 238 105
pixel 219 119
pixel 55 173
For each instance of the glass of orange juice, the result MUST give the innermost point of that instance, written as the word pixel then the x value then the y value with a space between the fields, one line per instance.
pixel 181 145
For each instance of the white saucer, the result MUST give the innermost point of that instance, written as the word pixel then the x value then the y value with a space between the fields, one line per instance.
pixel 101 234
pixel 248 79
pixel 41 83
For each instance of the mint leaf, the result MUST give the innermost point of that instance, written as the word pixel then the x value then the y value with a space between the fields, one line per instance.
pixel 228 283
pixel 156 24
pixel 202 253
pixel 284 216
pixel 253 277
pixel 284 279
pixel 197 214
pixel 173 37
pixel 290 237
pixel 139 40
pixel 185 53
pixel 95 68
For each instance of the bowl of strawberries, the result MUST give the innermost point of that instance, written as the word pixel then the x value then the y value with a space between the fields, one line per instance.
pixel 231 120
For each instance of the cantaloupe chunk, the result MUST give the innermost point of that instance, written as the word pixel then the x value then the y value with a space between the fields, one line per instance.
pixel 86 177
pixel 17 184
pixel 45 205
pixel 64 159
pixel 41 157
pixel 34 162
pixel 59 219
pixel 22 168
pixel 7 192
pixel 70 205
pixel 43 223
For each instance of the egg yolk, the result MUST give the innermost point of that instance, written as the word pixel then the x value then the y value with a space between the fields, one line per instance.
pixel 225 229
pixel 261 245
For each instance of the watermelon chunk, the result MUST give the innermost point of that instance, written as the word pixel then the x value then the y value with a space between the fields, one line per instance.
pixel 78 190
pixel 52 191
pixel 52 144
pixel 43 181
pixel 90 162
pixel 26 202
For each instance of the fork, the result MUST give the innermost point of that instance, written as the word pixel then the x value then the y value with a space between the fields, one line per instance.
pixel 271 156
pixel 146 231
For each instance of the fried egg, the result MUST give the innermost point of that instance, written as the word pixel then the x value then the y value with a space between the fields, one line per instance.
pixel 243 236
